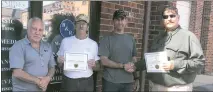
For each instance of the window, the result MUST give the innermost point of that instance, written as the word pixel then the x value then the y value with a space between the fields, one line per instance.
pixel 14 23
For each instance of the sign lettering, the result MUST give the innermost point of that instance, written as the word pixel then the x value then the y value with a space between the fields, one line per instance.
pixel 7 41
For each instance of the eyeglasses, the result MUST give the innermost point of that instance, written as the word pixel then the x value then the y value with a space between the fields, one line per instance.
pixel 167 16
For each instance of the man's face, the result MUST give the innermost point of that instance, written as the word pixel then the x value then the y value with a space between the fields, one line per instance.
pixel 120 23
pixel 170 19
pixel 81 26
pixel 35 33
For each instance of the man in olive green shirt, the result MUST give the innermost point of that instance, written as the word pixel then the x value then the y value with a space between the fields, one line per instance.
pixel 184 53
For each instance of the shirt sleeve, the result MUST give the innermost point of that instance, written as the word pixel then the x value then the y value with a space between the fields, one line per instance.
pixel 104 47
pixel 96 52
pixel 16 56
pixel 61 49
pixel 52 61
pixel 195 61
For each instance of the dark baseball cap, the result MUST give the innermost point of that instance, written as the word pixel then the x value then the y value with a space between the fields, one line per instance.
pixel 119 14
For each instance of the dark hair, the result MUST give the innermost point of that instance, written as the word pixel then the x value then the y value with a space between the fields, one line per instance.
pixel 119 14
pixel 169 7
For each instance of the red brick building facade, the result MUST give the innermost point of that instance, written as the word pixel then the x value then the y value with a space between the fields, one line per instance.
pixel 201 23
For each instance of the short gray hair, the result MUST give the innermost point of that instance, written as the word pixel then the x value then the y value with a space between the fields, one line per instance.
pixel 29 24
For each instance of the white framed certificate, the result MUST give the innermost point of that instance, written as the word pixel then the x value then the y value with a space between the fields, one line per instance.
pixel 155 60
pixel 75 61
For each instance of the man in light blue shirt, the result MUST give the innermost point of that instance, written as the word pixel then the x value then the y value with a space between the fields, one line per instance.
pixel 31 60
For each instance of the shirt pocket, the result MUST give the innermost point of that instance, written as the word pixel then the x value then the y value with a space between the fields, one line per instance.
pixel 177 53
pixel 172 52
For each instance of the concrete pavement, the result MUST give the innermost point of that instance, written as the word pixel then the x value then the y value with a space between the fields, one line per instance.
pixel 203 83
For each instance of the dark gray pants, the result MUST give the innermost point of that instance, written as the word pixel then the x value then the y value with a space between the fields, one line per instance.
pixel 116 87
pixel 77 85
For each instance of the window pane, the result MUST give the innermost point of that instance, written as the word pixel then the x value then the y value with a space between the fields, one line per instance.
pixel 14 24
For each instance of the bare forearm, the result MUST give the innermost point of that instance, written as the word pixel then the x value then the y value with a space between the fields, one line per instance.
pixel 51 72
pixel 22 75
pixel 110 63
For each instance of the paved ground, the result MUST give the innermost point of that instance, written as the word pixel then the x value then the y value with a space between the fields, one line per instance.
pixel 203 83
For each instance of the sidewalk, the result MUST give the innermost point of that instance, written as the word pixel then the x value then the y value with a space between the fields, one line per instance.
pixel 203 83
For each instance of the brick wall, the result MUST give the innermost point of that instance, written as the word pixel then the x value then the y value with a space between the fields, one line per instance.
pixel 207 36
pixel 210 54
pixel 201 24
pixel 192 16
pixel 135 17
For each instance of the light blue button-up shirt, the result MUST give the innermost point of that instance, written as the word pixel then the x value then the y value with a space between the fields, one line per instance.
pixel 23 56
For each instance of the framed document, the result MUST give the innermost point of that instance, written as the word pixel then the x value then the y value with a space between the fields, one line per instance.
pixel 155 60
pixel 75 61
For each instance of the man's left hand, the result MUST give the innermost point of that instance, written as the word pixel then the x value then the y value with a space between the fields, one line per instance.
pixel 44 82
pixel 168 65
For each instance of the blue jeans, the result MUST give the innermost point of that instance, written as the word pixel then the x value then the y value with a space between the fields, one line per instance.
pixel 116 87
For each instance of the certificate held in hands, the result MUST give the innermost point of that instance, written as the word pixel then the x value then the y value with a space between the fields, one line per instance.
pixel 75 61
pixel 155 60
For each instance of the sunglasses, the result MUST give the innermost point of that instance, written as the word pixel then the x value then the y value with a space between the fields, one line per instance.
pixel 167 16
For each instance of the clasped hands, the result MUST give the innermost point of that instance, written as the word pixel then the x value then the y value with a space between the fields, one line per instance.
pixel 43 82
pixel 129 67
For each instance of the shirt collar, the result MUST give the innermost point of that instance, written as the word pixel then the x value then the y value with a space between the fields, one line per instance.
pixel 171 33
pixel 82 39
pixel 27 41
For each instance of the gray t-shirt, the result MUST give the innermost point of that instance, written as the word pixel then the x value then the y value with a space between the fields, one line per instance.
pixel 118 48
pixel 23 56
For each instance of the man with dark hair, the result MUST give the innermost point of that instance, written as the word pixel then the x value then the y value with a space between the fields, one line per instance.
pixel 184 52
pixel 118 53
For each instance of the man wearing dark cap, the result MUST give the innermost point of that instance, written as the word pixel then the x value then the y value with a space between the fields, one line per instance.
pixel 118 53
pixel 79 81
